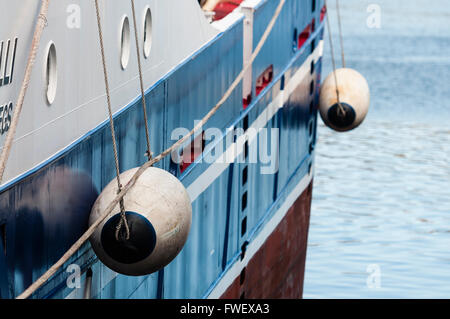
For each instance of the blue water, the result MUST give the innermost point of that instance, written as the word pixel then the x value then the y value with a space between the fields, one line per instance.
pixel 380 219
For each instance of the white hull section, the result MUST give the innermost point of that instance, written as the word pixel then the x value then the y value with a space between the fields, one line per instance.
pixel 179 28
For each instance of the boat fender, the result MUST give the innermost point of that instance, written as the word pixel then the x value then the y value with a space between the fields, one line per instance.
pixel 158 213
pixel 354 98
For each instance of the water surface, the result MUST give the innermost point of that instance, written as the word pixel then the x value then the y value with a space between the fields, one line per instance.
pixel 380 219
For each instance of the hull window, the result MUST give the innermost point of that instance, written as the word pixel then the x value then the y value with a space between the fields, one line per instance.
pixel 147 33
pixel 125 43
pixel 51 74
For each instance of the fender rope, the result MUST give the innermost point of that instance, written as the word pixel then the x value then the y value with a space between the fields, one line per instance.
pixel 141 81
pixel 340 33
pixel 340 107
pixel 123 218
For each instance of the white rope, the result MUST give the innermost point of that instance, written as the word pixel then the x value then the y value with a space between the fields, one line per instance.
pixel 333 61
pixel 123 218
pixel 40 25
pixel 141 81
pixel 341 38
pixel 85 237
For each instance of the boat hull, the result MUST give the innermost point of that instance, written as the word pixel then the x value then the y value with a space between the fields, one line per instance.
pixel 244 217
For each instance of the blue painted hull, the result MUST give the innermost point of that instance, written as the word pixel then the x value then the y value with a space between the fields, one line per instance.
pixel 44 212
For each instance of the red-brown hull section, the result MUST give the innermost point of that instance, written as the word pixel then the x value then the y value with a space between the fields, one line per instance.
pixel 277 269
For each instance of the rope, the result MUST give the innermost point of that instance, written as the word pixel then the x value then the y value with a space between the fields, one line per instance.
pixel 341 109
pixel 123 220
pixel 72 250
pixel 122 223
pixel 340 33
pixel 144 107
pixel 40 25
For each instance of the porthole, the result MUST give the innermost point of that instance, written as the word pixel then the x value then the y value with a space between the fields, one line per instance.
pixel 244 226
pixel 313 46
pixel 295 40
pixel 147 33
pixel 245 176
pixel 311 88
pixel 245 124
pixel 125 43
pixel 242 277
pixel 244 201
pixel 51 73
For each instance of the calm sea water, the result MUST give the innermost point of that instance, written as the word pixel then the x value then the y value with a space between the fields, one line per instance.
pixel 380 219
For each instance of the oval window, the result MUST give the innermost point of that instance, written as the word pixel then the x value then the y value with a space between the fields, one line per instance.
pixel 125 43
pixel 147 33
pixel 51 74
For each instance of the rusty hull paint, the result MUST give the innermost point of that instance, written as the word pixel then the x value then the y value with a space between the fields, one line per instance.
pixel 277 269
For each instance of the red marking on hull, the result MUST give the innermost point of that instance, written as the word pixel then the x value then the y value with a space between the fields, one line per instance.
pixel 264 79
pixel 246 102
pixel 277 269
pixel 323 12
pixel 304 36
pixel 192 152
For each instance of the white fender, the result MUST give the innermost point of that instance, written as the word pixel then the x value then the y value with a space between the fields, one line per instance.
pixel 159 213
pixel 354 95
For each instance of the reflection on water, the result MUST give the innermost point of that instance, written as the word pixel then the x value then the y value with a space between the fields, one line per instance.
pixel 381 201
